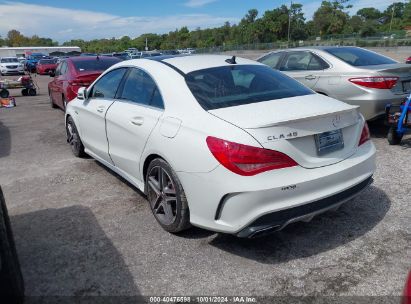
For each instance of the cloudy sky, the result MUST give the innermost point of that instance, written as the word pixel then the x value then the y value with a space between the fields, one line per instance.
pixel 88 19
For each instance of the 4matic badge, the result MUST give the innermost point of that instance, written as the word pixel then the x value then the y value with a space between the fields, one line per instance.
pixel 282 136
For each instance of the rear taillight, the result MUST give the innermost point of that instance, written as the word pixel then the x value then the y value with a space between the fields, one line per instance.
pixel 79 83
pixel 377 82
pixel 247 160
pixel 365 134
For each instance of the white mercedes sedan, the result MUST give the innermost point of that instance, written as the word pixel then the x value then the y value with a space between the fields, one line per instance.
pixel 226 144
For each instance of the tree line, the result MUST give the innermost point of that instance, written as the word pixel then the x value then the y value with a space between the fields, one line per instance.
pixel 331 18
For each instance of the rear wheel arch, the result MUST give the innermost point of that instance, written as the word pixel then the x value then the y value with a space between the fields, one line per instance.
pixel 147 162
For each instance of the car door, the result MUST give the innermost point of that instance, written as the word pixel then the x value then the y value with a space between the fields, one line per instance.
pixel 53 83
pixel 59 81
pixel 92 113
pixel 303 66
pixel 131 120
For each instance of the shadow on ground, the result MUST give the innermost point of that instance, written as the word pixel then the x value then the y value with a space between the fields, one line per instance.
pixel 5 140
pixel 64 252
pixel 323 233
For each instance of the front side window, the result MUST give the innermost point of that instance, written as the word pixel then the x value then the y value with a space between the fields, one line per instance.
pixel 140 88
pixel 236 85
pixel 272 60
pixel 107 86
pixel 358 57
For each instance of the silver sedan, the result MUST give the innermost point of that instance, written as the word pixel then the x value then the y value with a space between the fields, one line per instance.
pixel 351 74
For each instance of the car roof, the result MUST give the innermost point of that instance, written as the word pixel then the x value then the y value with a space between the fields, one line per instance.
pixel 88 58
pixel 189 63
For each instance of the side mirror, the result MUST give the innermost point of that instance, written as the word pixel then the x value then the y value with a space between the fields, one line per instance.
pixel 52 73
pixel 82 93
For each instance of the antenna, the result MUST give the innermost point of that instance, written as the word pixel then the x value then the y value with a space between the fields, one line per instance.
pixel 231 60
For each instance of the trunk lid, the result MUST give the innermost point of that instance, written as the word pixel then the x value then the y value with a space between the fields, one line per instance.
pixel 292 126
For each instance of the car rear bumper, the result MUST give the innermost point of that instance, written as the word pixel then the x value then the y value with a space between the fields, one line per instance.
pixel 279 220
pixel 223 201
pixel 374 108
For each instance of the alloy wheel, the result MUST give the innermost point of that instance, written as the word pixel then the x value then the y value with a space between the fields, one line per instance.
pixel 162 195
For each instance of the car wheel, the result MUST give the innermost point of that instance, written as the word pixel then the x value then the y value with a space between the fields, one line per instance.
pixel 32 92
pixel 53 105
pixel 73 138
pixel 11 278
pixel 166 196
pixel 4 93
pixel 393 137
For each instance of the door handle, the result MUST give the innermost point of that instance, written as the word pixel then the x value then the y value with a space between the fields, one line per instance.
pixel 101 109
pixel 137 121
pixel 310 77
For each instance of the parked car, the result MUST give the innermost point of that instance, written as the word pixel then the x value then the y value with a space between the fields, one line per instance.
pixel 11 278
pixel 350 74
pixel 45 66
pixel 227 144
pixel 122 56
pixel 140 55
pixel 408 60
pixel 73 73
pixel 11 65
pixel 33 59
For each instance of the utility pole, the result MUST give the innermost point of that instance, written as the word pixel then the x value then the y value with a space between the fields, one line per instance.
pixel 289 24
pixel 392 15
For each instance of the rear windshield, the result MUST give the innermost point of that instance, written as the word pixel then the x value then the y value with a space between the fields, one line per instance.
pixel 9 60
pixel 95 64
pixel 48 61
pixel 358 57
pixel 230 86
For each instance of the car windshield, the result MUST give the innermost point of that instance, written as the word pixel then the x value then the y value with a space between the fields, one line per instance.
pixel 9 60
pixel 230 86
pixel 100 64
pixel 48 61
pixel 358 57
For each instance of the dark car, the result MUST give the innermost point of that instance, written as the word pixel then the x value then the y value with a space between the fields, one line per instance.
pixel 73 73
pixel 11 278
pixel 44 66
pixel 122 56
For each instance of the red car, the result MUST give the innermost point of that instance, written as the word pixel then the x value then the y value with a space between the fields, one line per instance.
pixel 44 66
pixel 408 60
pixel 73 73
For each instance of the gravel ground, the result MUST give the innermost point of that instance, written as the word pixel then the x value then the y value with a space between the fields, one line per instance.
pixel 82 230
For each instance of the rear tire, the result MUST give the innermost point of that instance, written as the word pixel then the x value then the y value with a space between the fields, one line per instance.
pixel 53 105
pixel 393 137
pixel 32 92
pixel 73 138
pixel 166 196
pixel 11 278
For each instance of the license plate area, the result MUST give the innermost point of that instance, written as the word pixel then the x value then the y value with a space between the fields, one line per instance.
pixel 328 142
pixel 406 86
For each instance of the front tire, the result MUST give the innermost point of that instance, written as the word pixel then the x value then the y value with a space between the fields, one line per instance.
pixel 53 105
pixel 11 278
pixel 393 137
pixel 73 138
pixel 166 196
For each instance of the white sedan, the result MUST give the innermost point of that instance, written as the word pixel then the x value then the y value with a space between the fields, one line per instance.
pixel 227 144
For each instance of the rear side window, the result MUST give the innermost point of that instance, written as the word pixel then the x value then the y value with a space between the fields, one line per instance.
pixel 358 56
pixel 107 86
pixel 230 86
pixel 303 61
pixel 94 64
pixel 140 88
pixel 272 60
